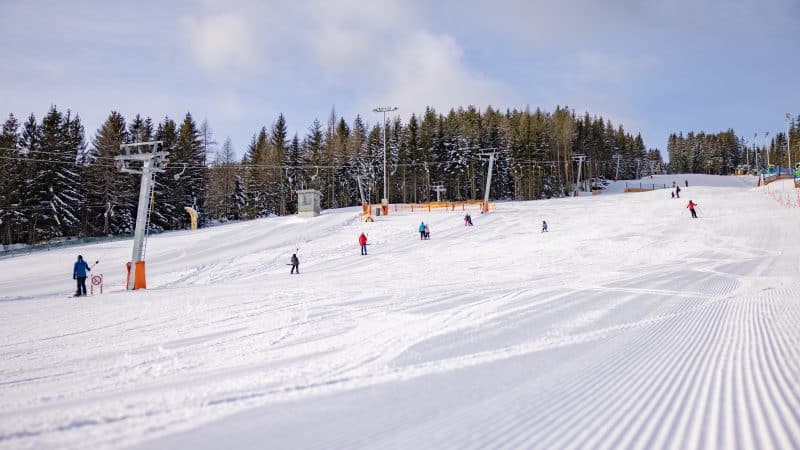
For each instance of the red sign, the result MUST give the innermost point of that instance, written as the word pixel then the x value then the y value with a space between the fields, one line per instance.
pixel 97 280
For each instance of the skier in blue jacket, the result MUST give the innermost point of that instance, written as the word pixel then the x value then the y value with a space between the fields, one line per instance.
pixel 421 231
pixel 79 274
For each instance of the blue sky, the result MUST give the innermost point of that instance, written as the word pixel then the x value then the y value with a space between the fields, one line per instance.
pixel 656 67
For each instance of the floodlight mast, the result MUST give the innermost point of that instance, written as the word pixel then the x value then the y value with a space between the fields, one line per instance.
pixel 384 110
pixel 153 161
pixel 789 140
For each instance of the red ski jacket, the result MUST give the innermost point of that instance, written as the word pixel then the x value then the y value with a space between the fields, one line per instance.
pixel 362 240
pixel 691 205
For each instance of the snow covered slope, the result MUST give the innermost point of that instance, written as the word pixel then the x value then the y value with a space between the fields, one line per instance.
pixel 628 325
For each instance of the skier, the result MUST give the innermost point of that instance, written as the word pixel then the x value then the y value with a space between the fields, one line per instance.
pixel 427 231
pixel 673 194
pixel 686 182
pixel 467 220
pixel 422 227
pixel 79 274
pixel 691 206
pixel 362 241
pixel 678 191
pixel 295 264
pixel 544 226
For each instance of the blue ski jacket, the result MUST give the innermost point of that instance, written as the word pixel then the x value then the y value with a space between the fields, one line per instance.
pixel 80 269
pixel 422 227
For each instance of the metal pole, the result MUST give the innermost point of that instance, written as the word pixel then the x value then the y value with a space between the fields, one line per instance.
pixel 385 182
pixel 384 110
pixel 141 219
pixel 766 148
pixel 488 182
pixel 788 141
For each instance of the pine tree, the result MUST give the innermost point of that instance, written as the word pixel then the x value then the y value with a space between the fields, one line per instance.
pixel 69 193
pixel 112 194
pixel 277 189
pixel 167 205
pixel 238 199
pixel 415 157
pixel 313 154
pixel 140 130
pixel 294 173
pixel 30 165
pixel 257 175
pixel 188 191
pixel 46 187
pixel 11 182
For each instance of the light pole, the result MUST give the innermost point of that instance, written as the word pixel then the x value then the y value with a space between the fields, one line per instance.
pixel 766 147
pixel 384 110
pixel 788 140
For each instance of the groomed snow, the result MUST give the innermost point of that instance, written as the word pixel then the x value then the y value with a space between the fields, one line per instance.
pixel 628 325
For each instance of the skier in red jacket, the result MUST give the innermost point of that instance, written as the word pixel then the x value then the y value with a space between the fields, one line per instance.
pixel 691 206
pixel 362 241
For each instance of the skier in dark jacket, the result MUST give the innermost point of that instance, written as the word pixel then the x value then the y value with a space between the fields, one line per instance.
pixel 544 226
pixel 362 241
pixel 467 220
pixel 691 206
pixel 79 273
pixel 295 264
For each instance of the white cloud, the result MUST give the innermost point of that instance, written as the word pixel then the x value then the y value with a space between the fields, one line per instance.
pixel 429 70
pixel 380 51
pixel 223 44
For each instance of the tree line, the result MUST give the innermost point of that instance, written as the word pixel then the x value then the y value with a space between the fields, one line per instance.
pixel 55 184
pixel 722 153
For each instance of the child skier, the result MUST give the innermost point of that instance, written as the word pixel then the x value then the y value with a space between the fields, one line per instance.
pixel 295 264
pixel 467 220
pixel 544 226
pixel 79 273
pixel 691 206
pixel 362 241
pixel 427 231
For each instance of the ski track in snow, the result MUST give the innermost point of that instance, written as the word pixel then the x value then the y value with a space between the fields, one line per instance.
pixel 627 326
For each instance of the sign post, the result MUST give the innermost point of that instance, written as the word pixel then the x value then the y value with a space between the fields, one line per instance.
pixel 97 280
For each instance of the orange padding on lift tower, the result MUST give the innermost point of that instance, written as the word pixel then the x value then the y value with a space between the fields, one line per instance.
pixel 139 282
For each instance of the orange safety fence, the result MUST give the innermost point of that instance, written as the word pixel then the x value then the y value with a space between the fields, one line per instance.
pixel 441 206
pixel 788 199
